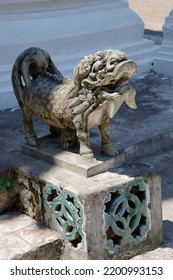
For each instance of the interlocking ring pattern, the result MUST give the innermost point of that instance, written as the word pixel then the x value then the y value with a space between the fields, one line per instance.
pixel 66 212
pixel 126 213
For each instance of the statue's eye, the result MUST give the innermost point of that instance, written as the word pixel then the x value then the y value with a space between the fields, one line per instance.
pixel 113 61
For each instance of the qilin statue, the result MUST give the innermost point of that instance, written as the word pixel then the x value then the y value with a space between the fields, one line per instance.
pixel 95 93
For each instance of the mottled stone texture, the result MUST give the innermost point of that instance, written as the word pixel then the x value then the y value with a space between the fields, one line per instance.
pixel 29 199
pixel 122 220
pixel 98 89
pixel 107 216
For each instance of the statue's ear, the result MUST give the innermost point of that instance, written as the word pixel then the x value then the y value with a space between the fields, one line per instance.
pixel 75 72
pixel 76 75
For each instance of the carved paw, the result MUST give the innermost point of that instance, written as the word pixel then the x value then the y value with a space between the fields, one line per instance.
pixel 87 154
pixel 109 150
pixel 89 158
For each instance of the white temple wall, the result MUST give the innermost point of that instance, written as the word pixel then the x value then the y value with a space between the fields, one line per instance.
pixel 68 30
pixel 163 61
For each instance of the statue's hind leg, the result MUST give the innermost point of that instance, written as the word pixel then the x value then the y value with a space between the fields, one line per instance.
pixel 68 139
pixel 107 146
pixel 30 135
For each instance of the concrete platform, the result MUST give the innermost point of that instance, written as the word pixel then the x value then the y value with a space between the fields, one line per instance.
pixel 152 120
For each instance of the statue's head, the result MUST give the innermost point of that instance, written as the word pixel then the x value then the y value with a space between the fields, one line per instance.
pixel 105 74
pixel 109 68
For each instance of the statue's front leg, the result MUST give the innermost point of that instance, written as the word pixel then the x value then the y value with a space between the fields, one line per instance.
pixel 85 149
pixel 80 124
pixel 107 146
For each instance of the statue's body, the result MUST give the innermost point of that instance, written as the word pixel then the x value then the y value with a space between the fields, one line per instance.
pixel 96 92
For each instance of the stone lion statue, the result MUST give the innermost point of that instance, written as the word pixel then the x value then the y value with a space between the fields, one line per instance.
pixel 95 93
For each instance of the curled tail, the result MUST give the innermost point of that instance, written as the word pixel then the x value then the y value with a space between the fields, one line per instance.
pixel 28 65
pixel 17 84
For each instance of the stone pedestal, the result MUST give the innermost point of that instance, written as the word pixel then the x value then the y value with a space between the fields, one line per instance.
pixel 113 215
pixel 68 30
pixel 163 61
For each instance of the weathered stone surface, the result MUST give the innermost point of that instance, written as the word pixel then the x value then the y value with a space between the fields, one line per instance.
pixel 95 94
pixel 160 112
pixel 29 198
pixel 131 202
pixel 112 231
pixel 8 190
pixel 112 215
pixel 48 251
pixel 7 200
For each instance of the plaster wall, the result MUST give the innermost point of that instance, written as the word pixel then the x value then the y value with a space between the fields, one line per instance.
pixel 163 61
pixel 68 30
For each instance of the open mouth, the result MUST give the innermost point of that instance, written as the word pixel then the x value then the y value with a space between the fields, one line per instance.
pixel 121 73
pixel 120 87
pixel 116 82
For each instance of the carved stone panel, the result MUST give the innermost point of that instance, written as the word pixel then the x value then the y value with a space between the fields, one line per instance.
pixel 127 214
pixel 29 196
pixel 64 212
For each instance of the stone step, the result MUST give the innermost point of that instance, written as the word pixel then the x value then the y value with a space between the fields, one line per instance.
pixel 144 66
pixel 163 64
pixel 70 60
pixel 44 5
pixel 24 238
pixel 141 52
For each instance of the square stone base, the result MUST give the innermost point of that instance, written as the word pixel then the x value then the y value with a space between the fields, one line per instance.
pixel 113 215
pixel 50 151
